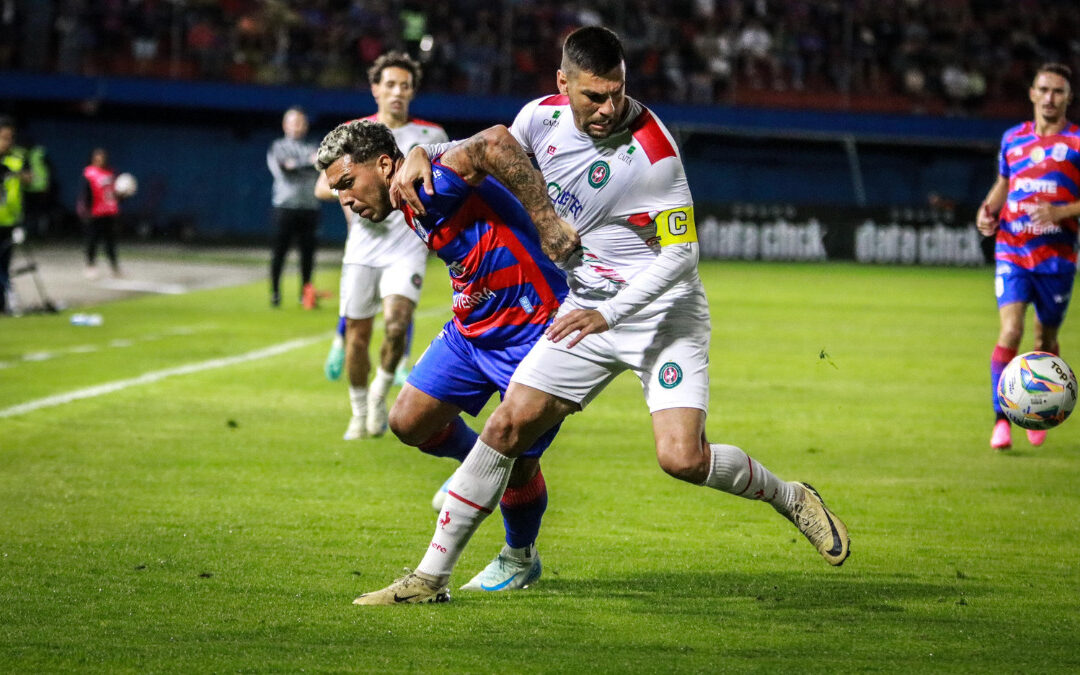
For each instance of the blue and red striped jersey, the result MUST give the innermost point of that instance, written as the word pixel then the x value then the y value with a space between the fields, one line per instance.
pixel 1039 169
pixel 505 287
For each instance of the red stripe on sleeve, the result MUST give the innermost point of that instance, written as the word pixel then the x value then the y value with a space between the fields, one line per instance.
pixel 647 132
pixel 557 99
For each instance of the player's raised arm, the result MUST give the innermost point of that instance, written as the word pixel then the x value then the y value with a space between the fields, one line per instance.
pixel 496 152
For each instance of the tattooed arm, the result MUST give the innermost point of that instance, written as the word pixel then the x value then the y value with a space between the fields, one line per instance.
pixel 497 153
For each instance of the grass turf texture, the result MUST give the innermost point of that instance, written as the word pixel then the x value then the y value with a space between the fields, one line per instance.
pixel 217 522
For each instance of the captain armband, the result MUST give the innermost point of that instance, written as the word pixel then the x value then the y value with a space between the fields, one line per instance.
pixel 676 226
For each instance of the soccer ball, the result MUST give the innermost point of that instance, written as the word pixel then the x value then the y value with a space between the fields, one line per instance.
pixel 125 185
pixel 1037 390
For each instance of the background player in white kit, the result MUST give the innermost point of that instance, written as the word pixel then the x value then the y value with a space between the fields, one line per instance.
pixel 383 261
pixel 636 302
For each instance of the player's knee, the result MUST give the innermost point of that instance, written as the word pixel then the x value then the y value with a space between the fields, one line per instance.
pixel 683 459
pixel 1011 334
pixel 396 329
pixel 406 427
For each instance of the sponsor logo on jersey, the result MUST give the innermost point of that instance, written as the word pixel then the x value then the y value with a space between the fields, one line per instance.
pixel 670 375
pixel 555 115
pixel 1060 152
pixel 526 305
pixel 551 123
pixel 1038 155
pixel 551 150
pixel 599 174
pixel 1044 185
pixel 456 268
pixel 564 201
pixel 470 300
pixel 625 157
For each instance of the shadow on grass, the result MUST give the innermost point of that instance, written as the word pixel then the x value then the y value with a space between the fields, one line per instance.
pixel 825 590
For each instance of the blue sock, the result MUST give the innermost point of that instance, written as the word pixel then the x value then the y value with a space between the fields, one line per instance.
pixel 522 509
pixel 455 440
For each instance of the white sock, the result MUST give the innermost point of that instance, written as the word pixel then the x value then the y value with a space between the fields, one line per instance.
pixel 473 493
pixel 358 400
pixel 735 472
pixel 380 385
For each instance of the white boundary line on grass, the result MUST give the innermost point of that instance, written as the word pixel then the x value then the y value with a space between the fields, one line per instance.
pixel 154 376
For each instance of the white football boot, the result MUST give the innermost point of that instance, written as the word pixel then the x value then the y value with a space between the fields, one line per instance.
pixel 512 569
pixel 377 418
pixel 357 429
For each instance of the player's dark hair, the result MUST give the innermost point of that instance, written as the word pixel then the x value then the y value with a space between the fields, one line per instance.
pixel 394 60
pixel 593 49
pixel 6 122
pixel 1057 69
pixel 360 139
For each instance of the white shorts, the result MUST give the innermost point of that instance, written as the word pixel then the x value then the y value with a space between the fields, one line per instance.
pixel 363 287
pixel 669 353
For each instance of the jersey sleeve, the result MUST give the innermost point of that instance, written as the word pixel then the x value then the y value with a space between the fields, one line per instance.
pixel 521 129
pixel 662 195
pixel 450 193
pixel 1003 162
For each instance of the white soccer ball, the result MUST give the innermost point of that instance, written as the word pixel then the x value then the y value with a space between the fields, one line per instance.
pixel 125 185
pixel 1037 390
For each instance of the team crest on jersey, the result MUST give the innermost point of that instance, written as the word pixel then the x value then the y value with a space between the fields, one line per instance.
pixel 670 375
pixel 1038 155
pixel 599 173
pixel 456 269
pixel 1059 152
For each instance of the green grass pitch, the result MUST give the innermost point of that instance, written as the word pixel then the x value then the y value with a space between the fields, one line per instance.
pixel 215 521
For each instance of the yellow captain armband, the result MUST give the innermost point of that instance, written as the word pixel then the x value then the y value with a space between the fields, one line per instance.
pixel 676 226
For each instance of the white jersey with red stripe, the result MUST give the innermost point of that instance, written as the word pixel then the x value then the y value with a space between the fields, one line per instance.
pixel 626 195
pixel 379 244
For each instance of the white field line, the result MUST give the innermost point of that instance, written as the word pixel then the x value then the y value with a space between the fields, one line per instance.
pixel 31 357
pixel 157 375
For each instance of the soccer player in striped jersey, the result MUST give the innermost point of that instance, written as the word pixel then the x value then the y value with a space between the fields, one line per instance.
pixel 384 263
pixel 1033 206
pixel 506 290
pixel 636 303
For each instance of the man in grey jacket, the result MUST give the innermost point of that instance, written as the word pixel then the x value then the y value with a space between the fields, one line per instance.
pixel 296 210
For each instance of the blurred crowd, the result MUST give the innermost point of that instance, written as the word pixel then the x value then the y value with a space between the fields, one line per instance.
pixel 953 55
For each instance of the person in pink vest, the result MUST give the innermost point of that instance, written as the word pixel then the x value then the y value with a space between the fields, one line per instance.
pixel 98 207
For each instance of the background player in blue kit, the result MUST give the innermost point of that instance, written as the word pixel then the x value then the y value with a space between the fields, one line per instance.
pixel 505 291
pixel 1037 193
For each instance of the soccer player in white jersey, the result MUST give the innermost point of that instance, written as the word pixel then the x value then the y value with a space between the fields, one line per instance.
pixel 384 262
pixel 636 303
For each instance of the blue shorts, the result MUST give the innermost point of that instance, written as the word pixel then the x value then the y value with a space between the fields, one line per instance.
pixel 1049 293
pixel 454 370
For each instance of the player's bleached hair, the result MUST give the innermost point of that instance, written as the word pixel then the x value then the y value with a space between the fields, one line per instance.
pixel 360 139
pixel 593 49
pixel 394 60
pixel 1057 69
